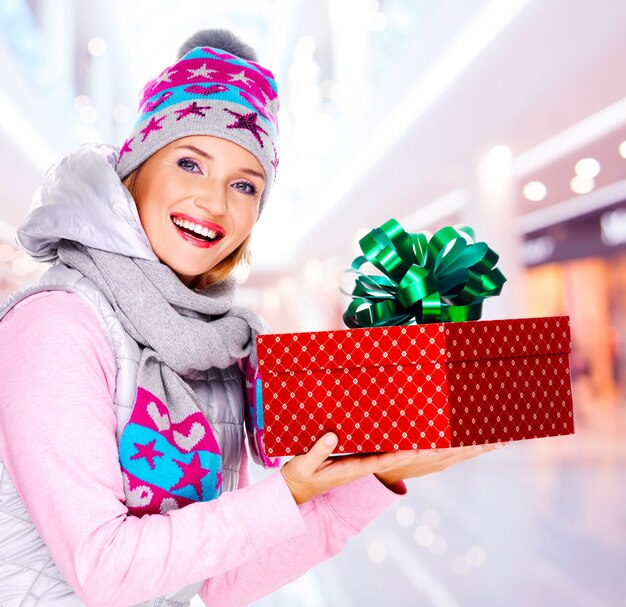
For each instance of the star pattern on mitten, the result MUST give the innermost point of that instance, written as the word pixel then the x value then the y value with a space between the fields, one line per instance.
pixel 148 452
pixel 193 473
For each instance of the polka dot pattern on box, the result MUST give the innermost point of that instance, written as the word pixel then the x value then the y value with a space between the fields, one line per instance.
pixel 417 387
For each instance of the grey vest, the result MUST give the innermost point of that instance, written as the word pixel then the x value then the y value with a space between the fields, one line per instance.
pixel 29 573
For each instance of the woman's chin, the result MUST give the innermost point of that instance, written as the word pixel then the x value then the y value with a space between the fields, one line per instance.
pixel 186 275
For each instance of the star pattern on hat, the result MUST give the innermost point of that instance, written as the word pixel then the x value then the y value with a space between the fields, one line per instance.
pixel 218 483
pixel 247 122
pixel 153 105
pixel 196 89
pixel 254 103
pixel 166 76
pixel 148 452
pixel 126 148
pixel 153 125
pixel 193 473
pixel 192 109
pixel 241 77
pixel 202 71
pixel 275 160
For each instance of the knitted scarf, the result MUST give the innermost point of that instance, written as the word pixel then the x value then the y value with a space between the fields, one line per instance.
pixel 180 331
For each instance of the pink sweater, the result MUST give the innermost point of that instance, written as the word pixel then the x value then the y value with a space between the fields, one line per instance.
pixel 57 440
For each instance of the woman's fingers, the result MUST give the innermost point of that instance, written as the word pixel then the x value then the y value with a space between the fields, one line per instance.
pixel 318 454
pixel 426 462
pixel 312 473
pixel 315 472
pixel 363 465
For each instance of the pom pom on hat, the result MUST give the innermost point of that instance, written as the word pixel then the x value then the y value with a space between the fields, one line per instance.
pixel 215 88
pixel 218 38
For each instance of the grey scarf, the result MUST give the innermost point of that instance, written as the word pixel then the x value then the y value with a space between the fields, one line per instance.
pixel 179 330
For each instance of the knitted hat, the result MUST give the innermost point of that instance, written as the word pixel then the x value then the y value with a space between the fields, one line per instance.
pixel 216 88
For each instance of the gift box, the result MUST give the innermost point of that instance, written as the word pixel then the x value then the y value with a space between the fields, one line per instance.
pixel 417 369
pixel 419 386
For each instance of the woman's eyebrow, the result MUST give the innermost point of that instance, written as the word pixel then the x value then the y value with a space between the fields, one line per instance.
pixel 253 173
pixel 200 152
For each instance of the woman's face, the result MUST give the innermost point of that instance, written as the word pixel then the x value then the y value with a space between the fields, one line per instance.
pixel 198 183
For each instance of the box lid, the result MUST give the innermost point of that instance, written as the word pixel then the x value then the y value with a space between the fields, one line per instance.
pixel 412 344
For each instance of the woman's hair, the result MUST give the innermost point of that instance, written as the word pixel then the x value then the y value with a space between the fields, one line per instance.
pixel 224 269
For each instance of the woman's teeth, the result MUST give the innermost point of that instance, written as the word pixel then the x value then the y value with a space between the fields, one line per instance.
pixel 189 225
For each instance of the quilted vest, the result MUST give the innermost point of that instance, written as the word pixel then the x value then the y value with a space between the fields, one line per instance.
pixel 24 559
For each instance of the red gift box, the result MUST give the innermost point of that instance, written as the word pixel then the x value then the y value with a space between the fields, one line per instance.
pixel 418 386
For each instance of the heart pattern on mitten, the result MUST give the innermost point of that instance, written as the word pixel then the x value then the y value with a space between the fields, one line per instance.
pixel 166 464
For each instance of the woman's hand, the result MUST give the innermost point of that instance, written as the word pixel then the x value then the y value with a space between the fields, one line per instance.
pixel 427 461
pixel 312 473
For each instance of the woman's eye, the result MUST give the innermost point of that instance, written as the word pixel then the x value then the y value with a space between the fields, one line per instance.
pixel 188 165
pixel 245 187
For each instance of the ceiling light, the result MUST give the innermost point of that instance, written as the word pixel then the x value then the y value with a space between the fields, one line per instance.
pixel 88 114
pixel 500 154
pixel 613 227
pixel 475 556
pixel 581 185
pixel 22 265
pixel 622 149
pixel 377 552
pixel 424 535
pixel 588 168
pixel 405 516
pixel 438 545
pixel 81 101
pixel 6 253
pixel 534 191
pixel 574 138
pixel 97 46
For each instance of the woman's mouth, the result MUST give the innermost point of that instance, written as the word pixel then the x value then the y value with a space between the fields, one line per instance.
pixel 196 233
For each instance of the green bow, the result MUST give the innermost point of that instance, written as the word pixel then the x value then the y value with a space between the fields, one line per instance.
pixel 442 279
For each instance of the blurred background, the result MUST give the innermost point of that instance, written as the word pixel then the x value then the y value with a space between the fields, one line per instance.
pixel 509 116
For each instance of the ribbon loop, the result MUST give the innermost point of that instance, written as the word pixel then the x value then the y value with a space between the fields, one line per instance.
pixel 439 279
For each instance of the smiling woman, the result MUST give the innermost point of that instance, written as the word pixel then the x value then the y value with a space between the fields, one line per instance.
pixel 126 461
pixel 198 199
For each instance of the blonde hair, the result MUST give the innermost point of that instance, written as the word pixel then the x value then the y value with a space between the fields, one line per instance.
pixel 225 268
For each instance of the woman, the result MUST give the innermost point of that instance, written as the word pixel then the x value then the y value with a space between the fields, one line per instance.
pixel 124 373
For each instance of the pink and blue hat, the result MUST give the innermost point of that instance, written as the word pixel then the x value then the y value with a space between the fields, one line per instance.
pixel 208 91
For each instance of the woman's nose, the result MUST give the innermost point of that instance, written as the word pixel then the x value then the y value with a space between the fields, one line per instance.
pixel 212 201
